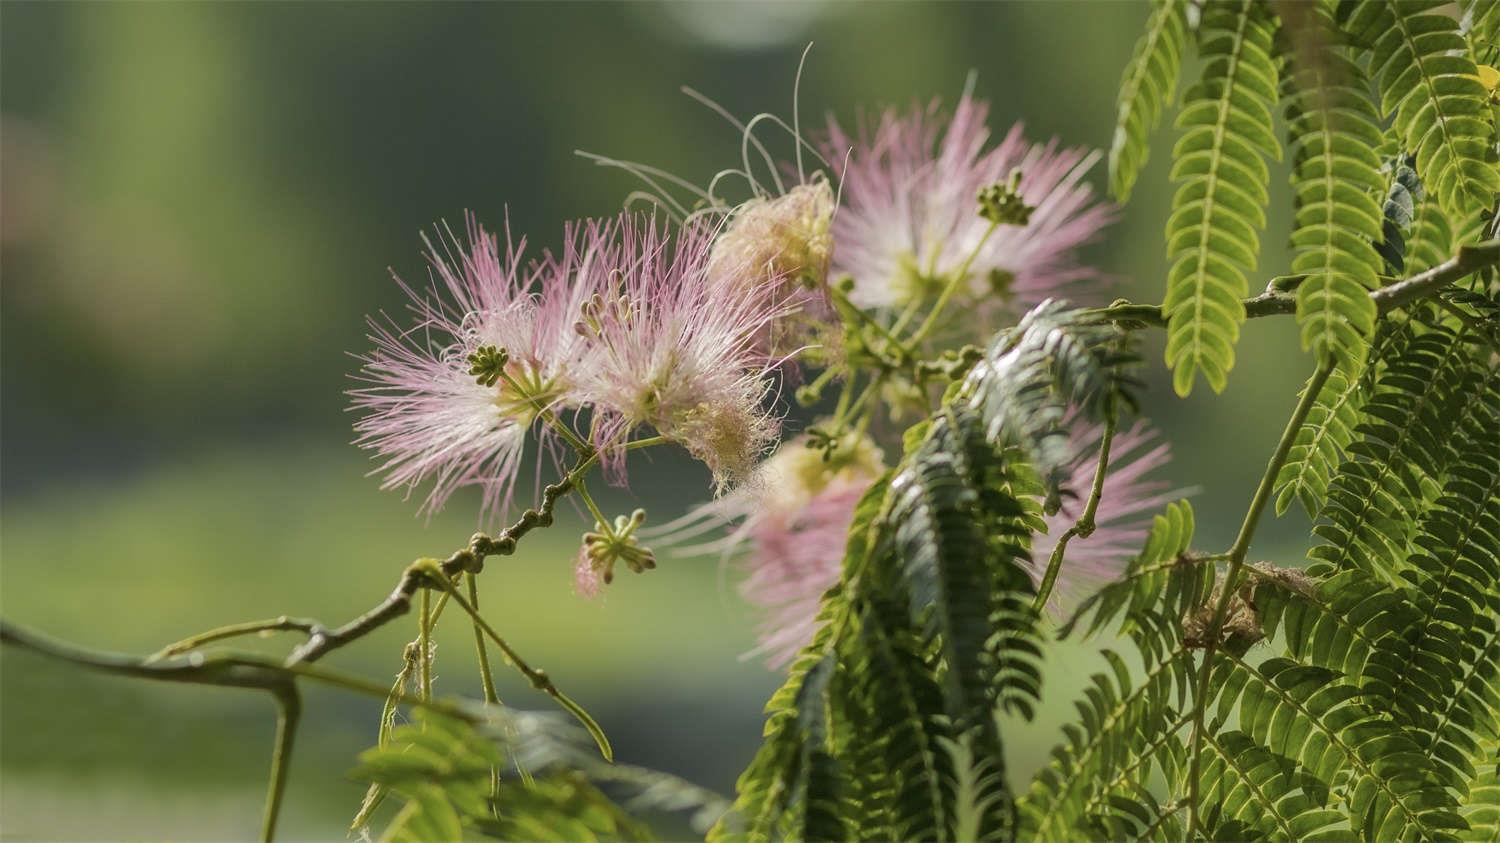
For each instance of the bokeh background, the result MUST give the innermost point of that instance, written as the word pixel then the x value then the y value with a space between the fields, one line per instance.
pixel 201 203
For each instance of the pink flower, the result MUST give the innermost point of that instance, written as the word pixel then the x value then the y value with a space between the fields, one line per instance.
pixel 425 415
pixel 790 534
pixel 910 216
pixel 675 348
pixel 586 579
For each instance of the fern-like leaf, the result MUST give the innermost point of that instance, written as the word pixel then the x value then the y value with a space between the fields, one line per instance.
pixel 1335 173
pixel 1320 443
pixel 1251 789
pixel 1431 88
pixel 1213 235
pixel 1307 714
pixel 1380 491
pixel 1149 85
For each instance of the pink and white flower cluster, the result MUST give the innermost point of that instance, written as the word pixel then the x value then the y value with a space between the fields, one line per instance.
pixel 909 222
pixel 631 326
pixel 624 327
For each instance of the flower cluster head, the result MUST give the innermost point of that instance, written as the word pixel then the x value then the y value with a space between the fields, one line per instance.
pixel 604 547
pixel 674 347
pixel 636 331
pixel 426 415
pixel 623 325
pixel 785 242
pixel 909 220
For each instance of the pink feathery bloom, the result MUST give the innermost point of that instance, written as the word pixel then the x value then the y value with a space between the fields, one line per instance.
pixel 910 216
pixel 790 529
pixel 586 579
pixel 676 349
pixel 426 417
pixel 1130 496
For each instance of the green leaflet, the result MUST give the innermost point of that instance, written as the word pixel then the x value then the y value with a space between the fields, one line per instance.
pixel 1429 86
pixel 1335 174
pixel 1162 577
pixel 1149 84
pixel 1218 212
pixel 439 768
pixel 1320 443
pixel 1307 714
pixel 1402 447
pixel 1252 789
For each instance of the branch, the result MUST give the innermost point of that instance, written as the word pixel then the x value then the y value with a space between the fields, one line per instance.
pixel 467 560
pixel 225 671
pixel 1084 526
pixel 1277 301
pixel 1237 553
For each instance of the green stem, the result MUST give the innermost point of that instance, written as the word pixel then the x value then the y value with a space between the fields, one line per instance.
pixel 424 642
pixel 486 678
pixel 278 624
pixel 538 678
pixel 588 500
pixel 958 279
pixel 1391 296
pixel 1236 554
pixel 289 712
pixel 1084 526
pixel 547 415
pixel 893 342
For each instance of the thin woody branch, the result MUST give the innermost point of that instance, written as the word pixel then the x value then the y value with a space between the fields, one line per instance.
pixel 468 559
pixel 1276 301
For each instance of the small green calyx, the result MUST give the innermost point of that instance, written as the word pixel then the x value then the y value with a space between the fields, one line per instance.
pixel 1001 203
pixel 605 546
pixel 487 364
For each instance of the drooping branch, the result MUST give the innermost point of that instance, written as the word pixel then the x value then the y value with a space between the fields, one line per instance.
pixel 1276 300
pixel 468 559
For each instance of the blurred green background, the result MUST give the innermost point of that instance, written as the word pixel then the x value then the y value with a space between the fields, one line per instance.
pixel 201 202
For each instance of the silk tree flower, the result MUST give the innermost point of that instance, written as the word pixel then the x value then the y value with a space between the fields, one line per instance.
pixel 783 242
pixel 910 221
pixel 790 532
pixel 784 238
pixel 787 526
pixel 675 349
pixel 426 416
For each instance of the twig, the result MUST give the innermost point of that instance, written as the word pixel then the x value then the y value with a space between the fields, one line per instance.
pixel 227 671
pixel 278 624
pixel 1391 297
pixel 468 559
pixel 289 712
pixel 1237 553
pixel 536 676
pixel 1084 526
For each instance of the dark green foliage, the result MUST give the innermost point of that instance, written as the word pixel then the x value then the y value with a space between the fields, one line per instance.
pixel 886 727
pixel 1356 699
pixel 1321 442
pixel 1401 449
pixel 1255 793
pixel 439 769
